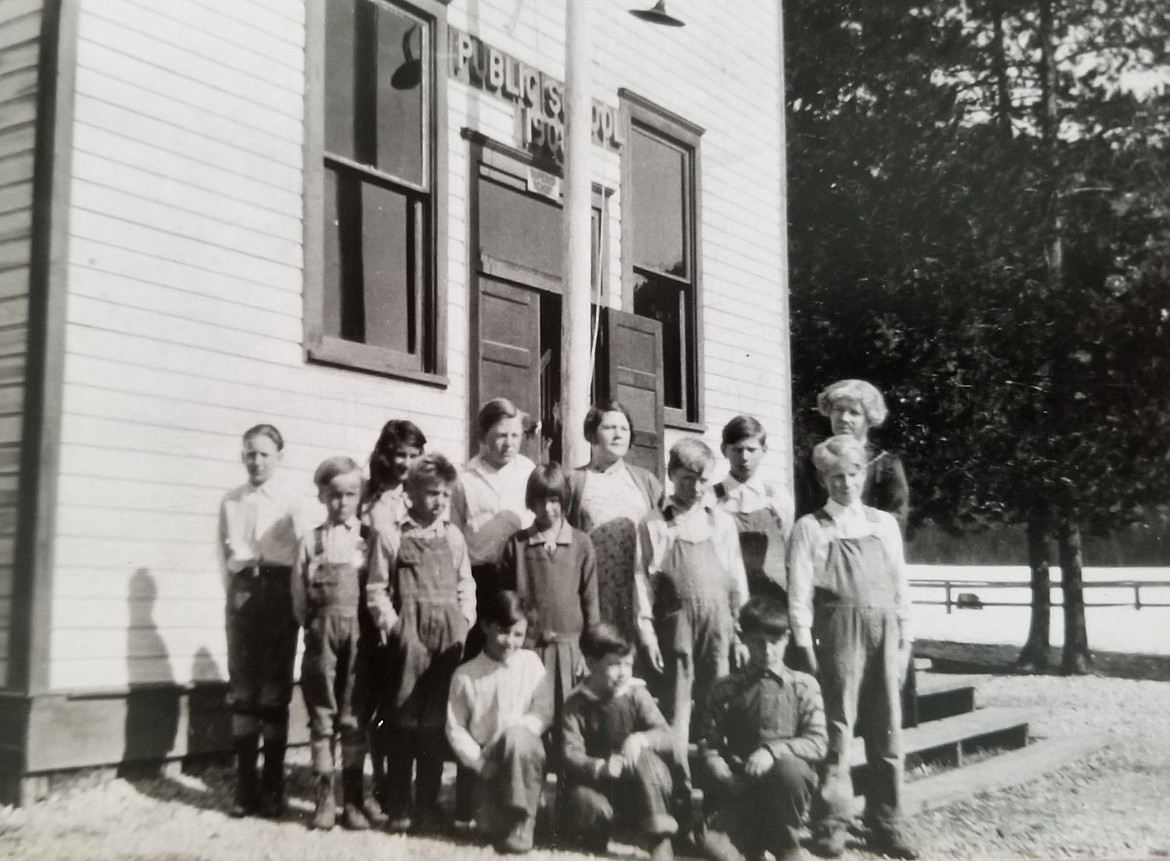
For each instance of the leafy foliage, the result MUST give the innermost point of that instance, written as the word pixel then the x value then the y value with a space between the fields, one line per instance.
pixel 929 193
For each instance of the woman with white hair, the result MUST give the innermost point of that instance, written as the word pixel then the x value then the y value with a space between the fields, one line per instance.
pixel 855 407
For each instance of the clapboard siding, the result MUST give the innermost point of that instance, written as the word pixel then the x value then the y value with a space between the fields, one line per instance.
pixel 186 274
pixel 20 26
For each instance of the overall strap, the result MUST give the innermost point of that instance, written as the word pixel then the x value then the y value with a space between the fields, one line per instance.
pixel 319 540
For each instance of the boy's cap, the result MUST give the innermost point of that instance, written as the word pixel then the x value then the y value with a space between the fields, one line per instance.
pixel 764 615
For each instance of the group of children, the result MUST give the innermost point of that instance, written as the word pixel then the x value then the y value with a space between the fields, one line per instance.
pixel 385 594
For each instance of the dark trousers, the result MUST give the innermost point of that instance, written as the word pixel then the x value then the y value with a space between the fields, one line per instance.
pixel 261 648
pixel 406 750
pixel 758 814
pixel 639 801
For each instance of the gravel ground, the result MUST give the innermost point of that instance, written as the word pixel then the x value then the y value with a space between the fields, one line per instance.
pixel 1110 805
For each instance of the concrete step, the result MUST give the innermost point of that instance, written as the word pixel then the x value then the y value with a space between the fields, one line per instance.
pixel 1007 769
pixel 946 740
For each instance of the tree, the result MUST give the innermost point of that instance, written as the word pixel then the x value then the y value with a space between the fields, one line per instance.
pixel 980 227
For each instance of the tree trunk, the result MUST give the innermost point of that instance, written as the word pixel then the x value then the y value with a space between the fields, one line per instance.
pixel 1076 658
pixel 1003 98
pixel 1034 656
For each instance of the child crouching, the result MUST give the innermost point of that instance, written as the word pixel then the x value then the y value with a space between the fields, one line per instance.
pixel 616 748
pixel 501 703
pixel 765 736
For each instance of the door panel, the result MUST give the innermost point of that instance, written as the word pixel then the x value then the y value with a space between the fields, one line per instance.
pixel 509 351
pixel 632 363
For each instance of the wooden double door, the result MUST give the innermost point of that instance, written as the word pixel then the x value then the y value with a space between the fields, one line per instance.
pixel 516 317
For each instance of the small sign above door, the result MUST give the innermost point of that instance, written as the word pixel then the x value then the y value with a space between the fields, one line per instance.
pixel 544 183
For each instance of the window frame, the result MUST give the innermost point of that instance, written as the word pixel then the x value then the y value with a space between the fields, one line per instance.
pixel 681 134
pixel 430 365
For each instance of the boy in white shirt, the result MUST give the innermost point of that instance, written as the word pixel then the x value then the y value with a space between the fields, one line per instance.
pixel 849 607
pixel 500 705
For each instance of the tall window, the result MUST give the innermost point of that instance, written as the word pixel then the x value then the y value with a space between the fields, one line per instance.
pixel 373 293
pixel 660 193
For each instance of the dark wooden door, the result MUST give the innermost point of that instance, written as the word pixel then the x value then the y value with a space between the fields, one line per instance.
pixel 508 364
pixel 629 370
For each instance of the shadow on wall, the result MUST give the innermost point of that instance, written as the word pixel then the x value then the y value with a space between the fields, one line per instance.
pixel 152 705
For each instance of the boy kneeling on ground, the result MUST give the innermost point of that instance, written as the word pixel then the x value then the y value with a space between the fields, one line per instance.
pixel 764 739
pixel 501 703
pixel 616 748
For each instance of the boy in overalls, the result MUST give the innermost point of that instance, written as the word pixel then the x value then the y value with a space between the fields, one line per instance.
pixel 761 511
pixel 422 598
pixel 848 595
pixel 690 589
pixel 327 586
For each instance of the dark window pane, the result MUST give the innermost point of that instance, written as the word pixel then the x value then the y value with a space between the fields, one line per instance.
pixel 402 56
pixel 389 289
pixel 374 87
pixel 369 279
pixel 342 315
pixel 341 56
pixel 665 302
pixel 519 228
pixel 657 209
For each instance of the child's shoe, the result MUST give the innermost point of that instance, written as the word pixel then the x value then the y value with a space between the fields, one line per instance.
pixel 830 843
pixel 353 818
pixel 325 814
pixel 520 837
pixel 661 849
pixel 893 843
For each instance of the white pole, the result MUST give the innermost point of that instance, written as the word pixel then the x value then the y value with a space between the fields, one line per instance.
pixel 576 248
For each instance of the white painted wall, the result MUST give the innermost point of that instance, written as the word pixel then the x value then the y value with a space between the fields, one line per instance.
pixel 185 283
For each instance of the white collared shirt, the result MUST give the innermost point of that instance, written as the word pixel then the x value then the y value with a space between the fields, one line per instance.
pixel 489 696
pixel 259 525
pixel 381 584
pixel 341 544
pixel 744 497
pixel 809 550
pixel 656 535
pixel 485 494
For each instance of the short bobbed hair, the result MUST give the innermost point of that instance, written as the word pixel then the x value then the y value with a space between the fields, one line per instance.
pixel 743 427
pixel 765 615
pixel 433 468
pixel 492 413
pixel 332 467
pixel 601 640
pixel 858 391
pixel 265 430
pixel 547 480
pixel 842 447
pixel 504 608
pixel 597 413
pixel 690 453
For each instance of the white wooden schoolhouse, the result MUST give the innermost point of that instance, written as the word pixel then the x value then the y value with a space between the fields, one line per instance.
pixel 324 214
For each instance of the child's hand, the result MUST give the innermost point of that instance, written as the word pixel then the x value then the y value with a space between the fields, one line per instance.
pixel 633 749
pixel 811 654
pixel 615 765
pixel 654 654
pixel 739 655
pixel 759 763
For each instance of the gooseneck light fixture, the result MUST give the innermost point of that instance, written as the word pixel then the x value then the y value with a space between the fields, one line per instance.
pixel 657 15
